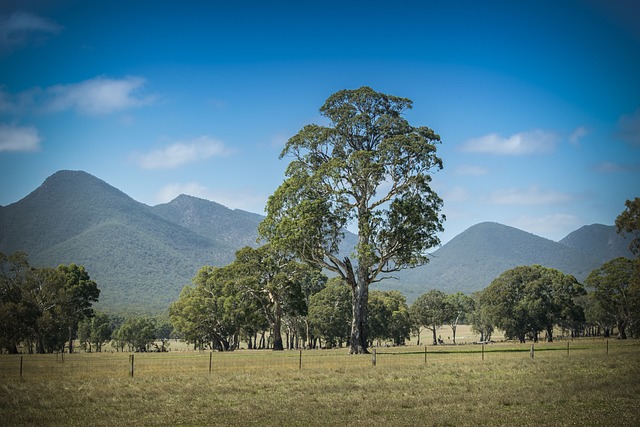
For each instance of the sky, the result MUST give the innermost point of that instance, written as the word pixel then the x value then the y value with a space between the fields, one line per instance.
pixel 537 103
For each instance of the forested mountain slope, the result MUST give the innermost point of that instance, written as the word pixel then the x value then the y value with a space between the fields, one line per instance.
pixel 142 256
pixel 471 260
pixel 598 241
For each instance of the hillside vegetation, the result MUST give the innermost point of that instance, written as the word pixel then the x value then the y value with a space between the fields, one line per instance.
pixel 142 256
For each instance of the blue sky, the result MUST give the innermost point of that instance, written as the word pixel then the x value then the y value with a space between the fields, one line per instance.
pixel 537 103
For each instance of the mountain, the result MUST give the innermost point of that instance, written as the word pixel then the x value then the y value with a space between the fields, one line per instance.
pixel 212 220
pixel 598 241
pixel 471 260
pixel 141 256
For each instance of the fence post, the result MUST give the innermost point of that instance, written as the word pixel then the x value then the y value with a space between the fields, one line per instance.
pixel 131 361
pixel 210 361
pixel 567 348
pixel 531 351
pixel 607 347
pixel 425 354
pixel 482 351
pixel 300 363
pixel 373 357
pixel 20 367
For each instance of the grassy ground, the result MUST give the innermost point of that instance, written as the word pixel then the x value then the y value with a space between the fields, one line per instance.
pixel 454 387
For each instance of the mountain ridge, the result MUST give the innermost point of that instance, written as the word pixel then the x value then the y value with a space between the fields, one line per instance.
pixel 141 256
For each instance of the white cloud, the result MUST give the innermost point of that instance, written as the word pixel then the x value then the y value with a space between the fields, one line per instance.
pixel 97 96
pixel 13 138
pixel 21 28
pixel 629 128
pixel 181 153
pixel 554 226
pixel 577 134
pixel 531 142
pixel 471 170
pixel 244 200
pixel 530 196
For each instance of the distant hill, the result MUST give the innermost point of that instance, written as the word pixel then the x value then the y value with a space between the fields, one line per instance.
pixel 142 256
pixel 471 260
pixel 212 220
pixel 598 241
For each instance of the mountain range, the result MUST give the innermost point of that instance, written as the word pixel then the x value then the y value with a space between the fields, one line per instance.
pixel 141 256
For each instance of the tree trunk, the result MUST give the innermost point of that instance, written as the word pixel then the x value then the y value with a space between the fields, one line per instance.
pixel 70 339
pixel 360 297
pixel 453 329
pixel 435 339
pixel 277 326
pixel 550 333
pixel 622 334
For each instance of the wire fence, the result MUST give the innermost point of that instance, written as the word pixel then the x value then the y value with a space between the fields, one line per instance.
pixel 198 363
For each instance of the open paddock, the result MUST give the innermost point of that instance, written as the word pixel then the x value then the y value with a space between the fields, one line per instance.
pixel 591 384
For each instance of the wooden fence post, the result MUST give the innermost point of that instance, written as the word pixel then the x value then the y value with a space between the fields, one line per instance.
pixel 210 361
pixel 131 362
pixel 567 348
pixel 373 357
pixel 425 354
pixel 531 351
pixel 300 363
pixel 482 351
pixel 20 367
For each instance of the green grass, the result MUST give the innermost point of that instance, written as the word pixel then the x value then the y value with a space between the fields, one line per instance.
pixel 453 388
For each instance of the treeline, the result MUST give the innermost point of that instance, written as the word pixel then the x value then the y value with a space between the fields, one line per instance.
pixel 267 300
pixel 270 301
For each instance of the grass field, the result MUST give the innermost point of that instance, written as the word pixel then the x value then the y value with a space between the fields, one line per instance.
pixel 454 387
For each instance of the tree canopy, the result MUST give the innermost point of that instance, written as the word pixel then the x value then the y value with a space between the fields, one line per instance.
pixel 527 300
pixel 616 292
pixel 629 221
pixel 42 306
pixel 368 167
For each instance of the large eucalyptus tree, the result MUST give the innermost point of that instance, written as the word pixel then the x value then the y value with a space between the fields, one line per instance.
pixel 368 167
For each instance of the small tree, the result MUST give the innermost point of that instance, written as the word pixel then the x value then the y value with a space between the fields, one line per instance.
pixel 526 300
pixel 429 310
pixel 481 322
pixel 330 313
pixel 458 309
pixel 617 291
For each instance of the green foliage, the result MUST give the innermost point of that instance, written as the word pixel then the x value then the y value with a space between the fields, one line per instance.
pixel 616 294
pixel 330 313
pixel 137 333
pixel 526 300
pixel 429 310
pixel 42 306
pixel 629 221
pixel 369 166
pixel 389 317
pixel 458 309
pixel 95 331
pixel 211 312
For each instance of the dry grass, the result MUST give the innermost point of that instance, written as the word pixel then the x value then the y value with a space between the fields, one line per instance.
pixel 454 387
